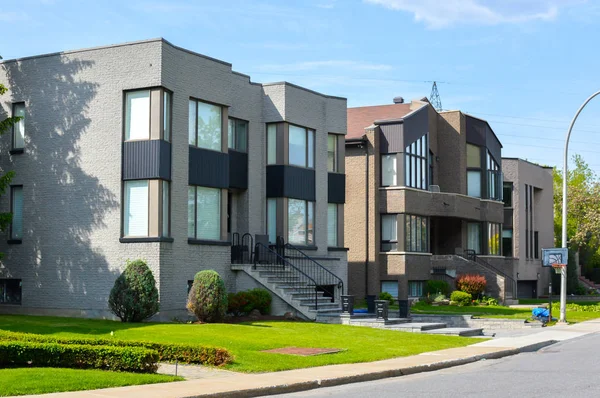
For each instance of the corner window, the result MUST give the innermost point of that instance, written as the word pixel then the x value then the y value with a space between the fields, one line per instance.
pixel 390 287
pixel 10 291
pixel 415 163
pixel 474 237
pixel 507 189
pixel 415 288
pixel 237 135
pixel 416 233
pixel 495 186
pixel 301 149
pixel 389 176
pixel 204 213
pixel 204 125
pixel 271 144
pixel 494 239
pixel 507 242
pixel 135 216
pixel 301 222
pixel 332 224
pixel 332 153
pixel 137 115
pixel 18 141
pixel 389 232
pixel 16 228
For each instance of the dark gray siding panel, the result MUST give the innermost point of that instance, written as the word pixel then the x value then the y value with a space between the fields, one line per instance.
pixel 415 126
pixel 476 131
pixel 508 218
pixel 391 138
pixel 290 182
pixel 336 188
pixel 238 169
pixel 494 147
pixel 208 168
pixel 146 160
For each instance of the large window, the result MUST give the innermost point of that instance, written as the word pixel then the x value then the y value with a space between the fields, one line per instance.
pixel 332 224
pixel 415 288
pixel 271 144
pixel 18 141
pixel 16 228
pixel 237 135
pixel 10 291
pixel 135 217
pixel 301 222
pixel 390 287
pixel 272 219
pixel 205 125
pixel 137 115
pixel 474 237
pixel 301 150
pixel 415 164
pixel 494 239
pixel 507 243
pixel 495 187
pixel 388 170
pixel 204 213
pixel 473 171
pixel 389 232
pixel 332 153
pixel 507 189
pixel 416 233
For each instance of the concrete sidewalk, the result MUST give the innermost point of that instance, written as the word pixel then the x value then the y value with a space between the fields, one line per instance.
pixel 229 384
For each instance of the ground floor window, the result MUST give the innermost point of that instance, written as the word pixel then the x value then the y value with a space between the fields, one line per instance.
pixel 507 242
pixel 416 233
pixel 474 237
pixel 389 232
pixel 494 239
pixel 301 222
pixel 204 213
pixel 390 287
pixel 332 224
pixel 272 219
pixel 135 214
pixel 415 288
pixel 10 291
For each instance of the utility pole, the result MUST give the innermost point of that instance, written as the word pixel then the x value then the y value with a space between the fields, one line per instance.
pixel 563 272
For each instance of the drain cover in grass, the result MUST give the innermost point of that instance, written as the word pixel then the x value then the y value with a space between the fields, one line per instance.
pixel 305 352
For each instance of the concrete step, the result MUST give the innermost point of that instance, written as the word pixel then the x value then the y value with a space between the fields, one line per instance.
pixel 284 279
pixel 456 331
pixel 374 322
pixel 299 285
pixel 327 310
pixel 309 301
pixel 329 306
pixel 416 327
pixel 300 296
pixel 269 274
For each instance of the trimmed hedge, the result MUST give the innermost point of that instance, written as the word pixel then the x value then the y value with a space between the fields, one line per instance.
pixel 185 353
pixel 461 298
pixel 244 302
pixel 127 359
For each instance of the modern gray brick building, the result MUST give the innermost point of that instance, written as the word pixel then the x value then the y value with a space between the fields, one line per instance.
pixel 147 150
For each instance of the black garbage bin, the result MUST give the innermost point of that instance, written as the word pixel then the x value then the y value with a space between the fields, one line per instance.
pixel 371 304
pixel 404 308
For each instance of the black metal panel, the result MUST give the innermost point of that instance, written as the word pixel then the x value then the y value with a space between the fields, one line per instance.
pixel 208 168
pixel 476 131
pixel 508 218
pixel 290 182
pixel 336 188
pixel 391 138
pixel 238 169
pixel 494 146
pixel 146 160
pixel 415 126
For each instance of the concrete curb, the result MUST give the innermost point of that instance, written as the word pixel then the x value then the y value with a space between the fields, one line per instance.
pixel 372 376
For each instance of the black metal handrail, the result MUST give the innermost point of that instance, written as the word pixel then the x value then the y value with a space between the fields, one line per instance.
pixel 241 248
pixel 284 271
pixel 324 277
pixel 471 255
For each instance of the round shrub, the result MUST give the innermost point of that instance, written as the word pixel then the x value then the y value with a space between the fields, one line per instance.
pixel 461 298
pixel 435 287
pixel 244 302
pixel 386 296
pixel 471 283
pixel 134 296
pixel 261 300
pixel 208 297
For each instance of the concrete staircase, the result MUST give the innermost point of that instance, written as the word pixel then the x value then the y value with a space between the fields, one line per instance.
pixel 590 284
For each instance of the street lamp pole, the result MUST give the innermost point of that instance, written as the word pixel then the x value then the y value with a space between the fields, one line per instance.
pixel 563 272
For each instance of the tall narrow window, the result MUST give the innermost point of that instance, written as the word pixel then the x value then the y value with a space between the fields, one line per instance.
pixel 301 148
pixel 271 144
pixel 19 127
pixel 332 157
pixel 494 178
pixel 474 237
pixel 507 188
pixel 507 242
pixel 165 208
pixel 332 224
pixel 494 239
pixel 135 217
pixel 205 125
pixel 389 232
pixel 536 243
pixel 237 135
pixel 388 170
pixel 301 222
pixel 167 115
pixel 415 159
pixel 16 229
pixel 137 115
pixel 272 219
pixel 473 170
pixel 416 234
pixel 204 213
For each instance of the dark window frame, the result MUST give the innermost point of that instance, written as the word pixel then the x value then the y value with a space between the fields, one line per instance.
pixel 195 145
pixel 236 146
pixel 507 186
pixel 306 221
pixel 536 243
pixel 12 239
pixel 4 289
pixel 507 243
pixel 306 157
pixel 412 159
pixel 390 242
pixel 14 149
pixel 336 166
pixel 195 237
pixel 417 245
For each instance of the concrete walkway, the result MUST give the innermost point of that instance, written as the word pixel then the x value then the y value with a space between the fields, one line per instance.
pixel 214 383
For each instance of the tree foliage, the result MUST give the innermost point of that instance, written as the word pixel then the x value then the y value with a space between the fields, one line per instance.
pixel 134 297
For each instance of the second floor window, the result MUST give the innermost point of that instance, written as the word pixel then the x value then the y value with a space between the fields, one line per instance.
pixel 494 179
pixel 205 125
pixel 388 170
pixel 473 171
pixel 16 228
pixel 272 143
pixel 19 127
pixel 137 115
pixel 237 135
pixel 415 158
pixel 332 153
pixel 389 232
pixel 507 188
pixel 301 150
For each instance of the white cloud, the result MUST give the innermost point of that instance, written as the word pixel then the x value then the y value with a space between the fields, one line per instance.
pixel 329 64
pixel 438 14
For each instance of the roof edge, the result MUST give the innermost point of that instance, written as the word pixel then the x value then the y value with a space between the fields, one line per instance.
pixel 285 83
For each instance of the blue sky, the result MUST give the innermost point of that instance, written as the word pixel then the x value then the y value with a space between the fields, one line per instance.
pixel 524 65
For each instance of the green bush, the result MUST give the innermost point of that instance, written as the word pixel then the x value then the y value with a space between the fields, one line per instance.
pixel 439 298
pixel 261 299
pixel 435 288
pixel 471 283
pixel 134 296
pixel 208 297
pixel 244 302
pixel 127 359
pixel 185 353
pixel 386 296
pixel 461 298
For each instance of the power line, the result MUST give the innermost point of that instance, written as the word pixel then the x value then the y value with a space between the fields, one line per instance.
pixel 543 127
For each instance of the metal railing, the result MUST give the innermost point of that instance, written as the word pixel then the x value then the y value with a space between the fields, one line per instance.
pixel 241 248
pixel 285 273
pixel 471 255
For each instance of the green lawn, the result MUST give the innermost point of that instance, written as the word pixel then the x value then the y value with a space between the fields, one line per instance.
pixel 246 341
pixel 46 380
pixel 501 312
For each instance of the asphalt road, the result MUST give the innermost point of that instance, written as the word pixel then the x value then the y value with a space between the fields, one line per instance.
pixel 569 369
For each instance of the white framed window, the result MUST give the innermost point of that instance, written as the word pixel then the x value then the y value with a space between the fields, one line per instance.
pixel 271 144
pixel 204 125
pixel 204 213
pixel 332 225
pixel 16 228
pixel 389 232
pixel 272 219
pixel 388 170
pixel 390 287
pixel 137 115
pixel 332 153
pixel 301 147
pixel 237 135
pixel 18 141
pixel 301 222
pixel 135 212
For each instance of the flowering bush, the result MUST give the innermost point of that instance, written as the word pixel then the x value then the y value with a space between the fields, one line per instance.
pixel 471 283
